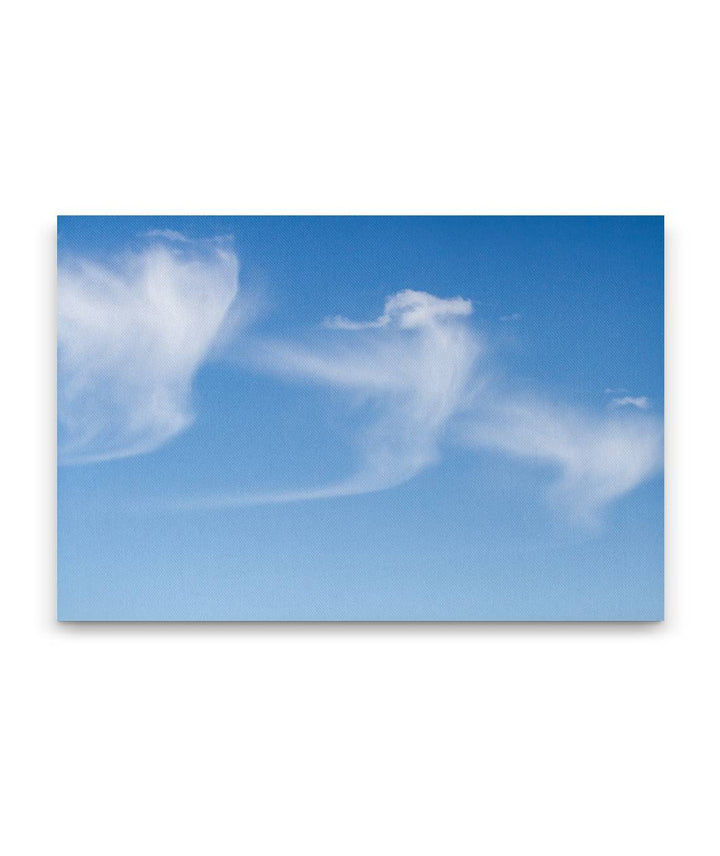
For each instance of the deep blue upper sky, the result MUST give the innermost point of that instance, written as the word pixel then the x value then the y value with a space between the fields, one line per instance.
pixel 568 308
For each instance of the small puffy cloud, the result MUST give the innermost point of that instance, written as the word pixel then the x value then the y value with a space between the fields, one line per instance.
pixel 413 309
pixel 131 336
pixel 408 310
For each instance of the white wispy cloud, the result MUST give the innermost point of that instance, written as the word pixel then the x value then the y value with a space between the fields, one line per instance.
pixel 428 376
pixel 514 316
pixel 641 402
pixel 133 333
pixel 413 364
pixel 598 458
pixel 131 336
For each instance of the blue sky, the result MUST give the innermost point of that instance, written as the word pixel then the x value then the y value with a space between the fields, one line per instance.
pixel 360 418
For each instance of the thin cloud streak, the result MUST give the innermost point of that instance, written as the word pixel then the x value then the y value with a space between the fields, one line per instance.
pixel 641 402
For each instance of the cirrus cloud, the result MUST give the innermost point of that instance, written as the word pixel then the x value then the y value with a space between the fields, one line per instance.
pixel 131 336
pixel 133 332
pixel 413 363
pixel 597 458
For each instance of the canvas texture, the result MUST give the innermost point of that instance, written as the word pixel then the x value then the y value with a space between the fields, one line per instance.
pixel 360 418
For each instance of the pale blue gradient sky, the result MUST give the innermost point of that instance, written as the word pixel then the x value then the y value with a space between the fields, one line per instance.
pixel 566 309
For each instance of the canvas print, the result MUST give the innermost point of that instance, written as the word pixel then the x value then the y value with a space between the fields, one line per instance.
pixel 360 418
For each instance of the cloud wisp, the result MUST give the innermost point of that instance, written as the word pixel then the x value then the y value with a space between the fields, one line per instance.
pixel 412 365
pixel 131 336
pixel 641 402
pixel 598 458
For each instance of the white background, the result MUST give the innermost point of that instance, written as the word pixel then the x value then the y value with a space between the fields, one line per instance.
pixel 359 739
